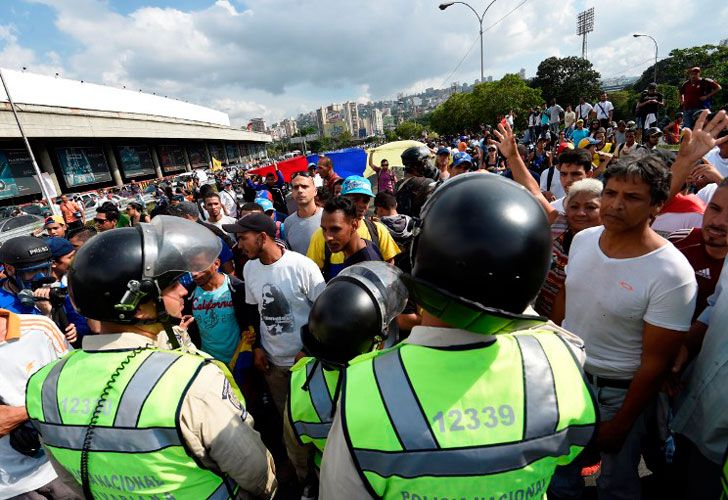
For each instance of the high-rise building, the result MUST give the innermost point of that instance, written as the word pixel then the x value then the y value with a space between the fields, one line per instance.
pixel 291 127
pixel 351 117
pixel 522 73
pixel 258 124
pixel 377 122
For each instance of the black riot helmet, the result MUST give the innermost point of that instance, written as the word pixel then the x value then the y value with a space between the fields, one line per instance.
pixel 120 269
pixel 417 161
pixel 354 312
pixel 481 254
pixel 31 259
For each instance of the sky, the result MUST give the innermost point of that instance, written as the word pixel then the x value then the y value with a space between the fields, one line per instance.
pixel 278 58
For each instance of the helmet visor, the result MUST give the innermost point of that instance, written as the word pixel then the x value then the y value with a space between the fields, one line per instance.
pixel 382 281
pixel 176 245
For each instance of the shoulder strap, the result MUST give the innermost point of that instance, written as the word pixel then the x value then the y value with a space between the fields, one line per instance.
pixel 373 232
pixel 326 271
pixel 550 178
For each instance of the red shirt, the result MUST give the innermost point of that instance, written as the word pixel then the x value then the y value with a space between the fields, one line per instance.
pixel 707 269
pixel 692 91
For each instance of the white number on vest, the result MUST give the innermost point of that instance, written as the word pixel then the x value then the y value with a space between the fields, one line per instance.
pixel 472 419
pixel 84 405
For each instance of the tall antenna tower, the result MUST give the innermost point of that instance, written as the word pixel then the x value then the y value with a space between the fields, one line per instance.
pixel 584 25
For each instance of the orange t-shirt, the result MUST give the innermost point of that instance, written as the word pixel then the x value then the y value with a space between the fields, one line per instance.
pixel 69 211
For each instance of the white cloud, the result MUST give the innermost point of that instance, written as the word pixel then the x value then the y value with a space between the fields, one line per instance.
pixel 276 58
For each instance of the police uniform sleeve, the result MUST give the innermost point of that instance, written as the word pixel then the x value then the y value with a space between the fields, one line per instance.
pixel 387 245
pixel 338 473
pixel 219 432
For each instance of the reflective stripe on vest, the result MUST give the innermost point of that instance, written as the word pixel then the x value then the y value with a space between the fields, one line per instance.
pixel 320 400
pixel 417 451
pixel 139 387
pixel 110 439
pixel 136 446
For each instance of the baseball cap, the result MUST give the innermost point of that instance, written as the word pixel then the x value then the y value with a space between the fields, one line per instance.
pixel 59 247
pixel 580 120
pixel 461 157
pixel 653 131
pixel 265 204
pixel 356 184
pixel 564 146
pixel 256 222
pixel 587 141
pixel 54 219
pixel 185 208
pixel 227 182
pixel 443 151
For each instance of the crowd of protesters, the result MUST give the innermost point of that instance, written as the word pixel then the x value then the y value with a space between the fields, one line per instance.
pixel 639 234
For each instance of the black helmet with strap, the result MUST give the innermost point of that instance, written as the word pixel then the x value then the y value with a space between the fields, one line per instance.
pixel 354 312
pixel 118 270
pixel 481 254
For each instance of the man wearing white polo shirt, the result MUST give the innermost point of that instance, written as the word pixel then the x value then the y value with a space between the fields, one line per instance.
pixel 27 343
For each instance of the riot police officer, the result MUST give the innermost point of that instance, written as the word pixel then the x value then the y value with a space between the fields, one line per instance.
pixel 353 314
pixel 481 400
pixel 125 417
pixel 27 262
pixel 419 180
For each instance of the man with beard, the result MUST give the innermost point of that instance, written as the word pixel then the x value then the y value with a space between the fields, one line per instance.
pixel 302 223
pixel 281 286
pixel 706 247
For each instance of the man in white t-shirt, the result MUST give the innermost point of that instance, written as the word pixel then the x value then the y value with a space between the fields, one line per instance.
pixel 629 294
pixel 281 286
pixel 718 156
pixel 574 165
pixel 604 110
pixel 215 209
pixel 229 198
pixel 583 110
pixel 27 343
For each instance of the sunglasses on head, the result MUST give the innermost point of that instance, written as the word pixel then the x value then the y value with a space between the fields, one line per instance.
pixel 302 173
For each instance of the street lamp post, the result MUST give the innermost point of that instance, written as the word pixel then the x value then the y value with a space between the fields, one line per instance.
pixel 480 17
pixel 637 35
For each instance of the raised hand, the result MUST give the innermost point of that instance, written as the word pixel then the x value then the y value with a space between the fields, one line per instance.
pixel 702 138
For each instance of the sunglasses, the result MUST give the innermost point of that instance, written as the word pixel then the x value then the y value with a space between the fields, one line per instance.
pixel 302 173
pixel 100 221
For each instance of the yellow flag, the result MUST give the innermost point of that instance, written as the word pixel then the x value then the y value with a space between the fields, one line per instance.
pixel 216 164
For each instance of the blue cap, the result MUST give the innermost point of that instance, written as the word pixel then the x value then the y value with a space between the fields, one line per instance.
pixel 265 204
pixel 356 184
pixel 443 151
pixel 461 157
pixel 59 247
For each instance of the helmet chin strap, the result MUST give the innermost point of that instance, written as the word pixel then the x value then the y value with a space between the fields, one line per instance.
pixel 164 318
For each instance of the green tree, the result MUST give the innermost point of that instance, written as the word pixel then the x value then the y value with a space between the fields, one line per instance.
pixel 567 79
pixel 483 106
pixel 345 139
pixel 624 102
pixel 493 99
pixel 409 130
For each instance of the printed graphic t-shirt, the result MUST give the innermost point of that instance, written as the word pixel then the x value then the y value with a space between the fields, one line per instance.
pixel 283 292
pixel 215 316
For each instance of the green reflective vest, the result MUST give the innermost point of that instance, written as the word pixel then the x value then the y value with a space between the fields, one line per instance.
pixel 135 449
pixel 311 409
pixel 490 420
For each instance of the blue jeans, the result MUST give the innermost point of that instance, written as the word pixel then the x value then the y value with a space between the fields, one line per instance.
pixel 619 476
pixel 688 121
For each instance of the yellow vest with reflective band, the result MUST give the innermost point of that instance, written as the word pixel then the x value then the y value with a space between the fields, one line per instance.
pixel 488 420
pixel 311 411
pixel 135 448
